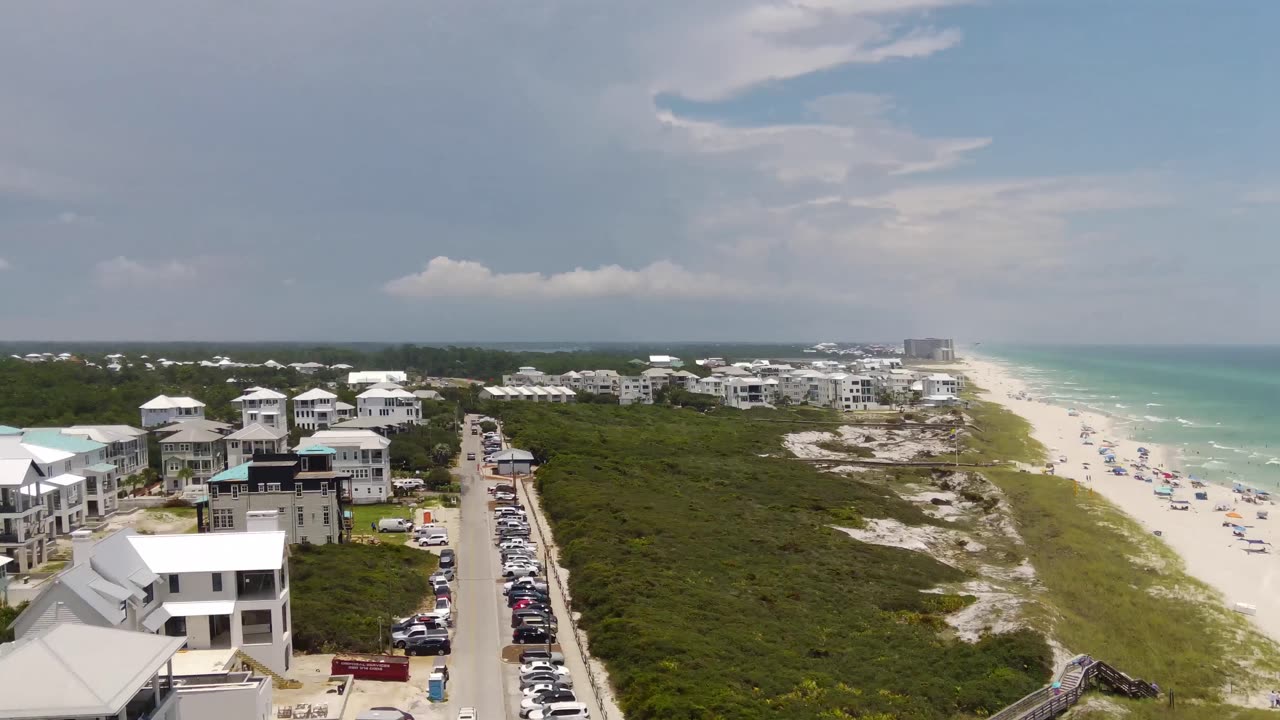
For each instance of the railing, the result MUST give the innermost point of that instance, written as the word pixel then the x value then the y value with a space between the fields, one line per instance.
pixel 553 572
pixel 1051 701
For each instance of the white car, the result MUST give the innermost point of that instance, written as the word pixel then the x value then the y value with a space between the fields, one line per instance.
pixel 541 666
pixel 561 710
pixel 434 539
pixel 534 702
pixel 438 581
pixel 540 688
pixel 467 713
pixel 513 570
pixel 516 543
pixel 444 608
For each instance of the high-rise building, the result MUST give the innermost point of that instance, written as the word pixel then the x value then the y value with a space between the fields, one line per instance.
pixel 929 349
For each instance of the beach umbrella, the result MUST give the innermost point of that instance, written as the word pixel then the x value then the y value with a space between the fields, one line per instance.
pixel 1142 450
pixel 1234 515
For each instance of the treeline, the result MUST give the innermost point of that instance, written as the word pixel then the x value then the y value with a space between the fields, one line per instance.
pixel 712 583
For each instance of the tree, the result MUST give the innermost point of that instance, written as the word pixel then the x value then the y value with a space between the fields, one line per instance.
pixel 132 482
pixel 488 426
pixel 185 475
pixel 439 478
pixel 149 475
pixel 441 454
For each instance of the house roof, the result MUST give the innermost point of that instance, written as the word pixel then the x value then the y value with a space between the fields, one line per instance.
pixel 378 392
pixel 79 670
pixel 237 472
pixel 101 467
pixel 200 423
pixel 66 479
pixel 17 471
pixel 317 450
pixel 315 394
pixel 363 377
pixel 428 395
pixel 211 552
pixel 56 440
pixel 364 423
pixel 344 406
pixel 10 430
pixel 364 439
pixel 513 454
pixel 164 402
pixel 106 433
pixel 12 447
pixel 261 394
pixel 190 435
pixel 258 431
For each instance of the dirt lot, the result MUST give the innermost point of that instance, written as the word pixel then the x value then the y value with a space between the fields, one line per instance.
pixel 313 671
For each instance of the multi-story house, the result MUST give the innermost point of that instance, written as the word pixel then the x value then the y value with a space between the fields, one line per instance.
pixel 843 391
pixel 633 390
pixel 526 376
pixel 345 411
pixel 242 445
pixel 302 488
pixel 203 452
pixel 24 517
pixel 126 455
pixel 215 590
pixel 745 392
pixel 315 410
pixel 64 459
pixel 939 384
pixel 601 382
pixel 389 403
pixel 658 377
pixel 362 455
pixel 711 385
pixel 162 410
pixel 530 393
pixel 260 406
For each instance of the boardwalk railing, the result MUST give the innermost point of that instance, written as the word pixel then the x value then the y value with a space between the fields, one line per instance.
pixel 1050 701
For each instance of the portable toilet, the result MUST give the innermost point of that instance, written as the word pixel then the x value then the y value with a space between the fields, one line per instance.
pixel 435 687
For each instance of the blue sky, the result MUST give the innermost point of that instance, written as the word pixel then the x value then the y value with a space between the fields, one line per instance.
pixel 724 170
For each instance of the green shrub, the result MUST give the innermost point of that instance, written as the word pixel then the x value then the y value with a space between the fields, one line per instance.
pixel 343 596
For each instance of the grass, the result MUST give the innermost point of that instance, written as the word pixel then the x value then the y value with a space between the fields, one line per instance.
pixel 1001 436
pixel 710 581
pixel 181 512
pixel 343 595
pixel 363 515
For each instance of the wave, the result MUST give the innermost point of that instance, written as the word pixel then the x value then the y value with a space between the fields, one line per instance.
pixel 1154 405
pixel 1155 419
pixel 1215 445
pixel 1184 421
pixel 1273 461
pixel 1122 407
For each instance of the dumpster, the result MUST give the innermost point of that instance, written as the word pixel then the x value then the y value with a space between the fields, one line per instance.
pixel 372 667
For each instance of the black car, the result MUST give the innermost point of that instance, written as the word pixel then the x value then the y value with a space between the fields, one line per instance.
pixel 430 645
pixel 443 591
pixel 529 635
pixel 447 559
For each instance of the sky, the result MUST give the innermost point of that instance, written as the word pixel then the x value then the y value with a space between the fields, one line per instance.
pixel 737 170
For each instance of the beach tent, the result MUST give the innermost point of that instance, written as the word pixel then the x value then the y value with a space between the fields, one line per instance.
pixel 1202 496
pixel 1180 504
pixel 1142 451
pixel 1164 491
pixel 1120 471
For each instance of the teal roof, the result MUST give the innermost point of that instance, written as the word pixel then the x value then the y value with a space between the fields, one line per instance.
pixel 58 441
pixel 101 468
pixel 10 430
pixel 317 450
pixel 239 472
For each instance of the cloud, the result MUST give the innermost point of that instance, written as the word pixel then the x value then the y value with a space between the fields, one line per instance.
pixel 122 273
pixel 446 277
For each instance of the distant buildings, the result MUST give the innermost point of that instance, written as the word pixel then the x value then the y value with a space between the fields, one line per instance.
pixel 162 410
pixel 243 444
pixel 201 451
pixel 372 377
pixel 554 394
pixel 929 349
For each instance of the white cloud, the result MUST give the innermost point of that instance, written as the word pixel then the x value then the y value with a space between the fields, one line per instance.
pixel 122 273
pixel 446 277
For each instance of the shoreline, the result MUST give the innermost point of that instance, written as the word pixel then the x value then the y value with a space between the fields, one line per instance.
pixel 1208 550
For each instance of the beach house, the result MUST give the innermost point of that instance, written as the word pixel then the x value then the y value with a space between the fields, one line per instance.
pixel 362 455
pixel 389 403
pixel 939 384
pixel 163 410
pixel 373 377
pixel 126 455
pixel 260 406
pixel 62 459
pixel 243 444
pixel 302 488
pixel 197 450
pixel 24 516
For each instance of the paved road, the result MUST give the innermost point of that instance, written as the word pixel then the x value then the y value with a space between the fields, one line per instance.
pixel 476 668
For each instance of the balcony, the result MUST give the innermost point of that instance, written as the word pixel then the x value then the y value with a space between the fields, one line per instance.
pixel 256 585
pixel 150 700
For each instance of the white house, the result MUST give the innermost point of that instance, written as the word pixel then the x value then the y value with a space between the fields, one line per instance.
pixel 344 411
pixel 162 410
pixel 24 516
pixel 126 454
pixel 315 409
pixel 243 444
pixel 745 392
pixel 939 384
pixel 635 390
pixel 364 455
pixel 372 377
pixel 843 391
pixel 666 361
pixel 390 403
pixel 552 394
pixel 213 590
pixel 263 407
pixel 63 459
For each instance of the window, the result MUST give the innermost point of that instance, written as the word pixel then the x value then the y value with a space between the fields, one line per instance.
pixel 176 627
pixel 224 519
pixel 244 488
pixel 235 444
pixel 326 515
pixel 235 491
pixel 324 489
pixel 300 517
pixel 280 511
pixel 273 487
pixel 213 492
pixel 217 582
pixel 173 585
pixel 148 593
pixel 297 490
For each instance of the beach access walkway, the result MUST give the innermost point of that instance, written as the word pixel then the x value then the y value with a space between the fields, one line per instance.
pixel 1059 696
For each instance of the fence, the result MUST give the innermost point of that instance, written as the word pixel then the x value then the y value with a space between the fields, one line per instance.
pixel 553 572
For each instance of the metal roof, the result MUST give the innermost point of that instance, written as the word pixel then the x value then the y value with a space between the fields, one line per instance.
pixel 164 402
pixel 101 467
pixel 512 454
pixel 257 431
pixel 56 440
pixel 317 450
pixel 315 394
pixel 239 472
pixel 192 435
pixel 211 552
pixel 77 670
pixel 10 430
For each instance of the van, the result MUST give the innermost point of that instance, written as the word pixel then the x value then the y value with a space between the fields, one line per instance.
pixel 394 525
pixel 429 529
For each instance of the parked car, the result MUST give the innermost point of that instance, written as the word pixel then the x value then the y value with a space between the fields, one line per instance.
pixel 539 678
pixel 413 632
pixel 537 701
pixel 504 496
pixel 430 621
pixel 539 665
pixel 519 570
pixel 546 621
pixel 471 456
pixel 438 581
pixel 523 603
pixel 533 583
pixel 532 617
pixel 550 656
pixel 444 572
pixel 448 559
pixel 561 711
pixel 529 635
pixel 444 591
pixel 394 525
pixel 429 645
pixel 444 607
pixel 433 539
pixel 408 483
pixel 513 543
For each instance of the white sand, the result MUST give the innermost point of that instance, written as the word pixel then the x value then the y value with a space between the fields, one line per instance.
pixel 1197 535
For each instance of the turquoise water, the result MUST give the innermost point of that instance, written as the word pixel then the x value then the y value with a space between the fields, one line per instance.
pixel 1218 406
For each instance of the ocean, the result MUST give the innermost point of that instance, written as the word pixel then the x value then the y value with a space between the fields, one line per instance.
pixel 1218 406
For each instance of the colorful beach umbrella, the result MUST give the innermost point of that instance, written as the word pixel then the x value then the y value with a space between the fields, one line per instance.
pixel 1234 515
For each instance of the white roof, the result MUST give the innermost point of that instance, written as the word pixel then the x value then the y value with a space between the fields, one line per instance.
pixel 65 480
pixel 363 439
pixel 258 431
pixel 164 402
pixel 76 670
pixel 387 393
pixel 11 446
pixel 211 552
pixel 941 377
pixel 206 607
pixel 344 406
pixel 362 377
pixel 315 394
pixel 105 433
pixel 513 454
pixel 261 394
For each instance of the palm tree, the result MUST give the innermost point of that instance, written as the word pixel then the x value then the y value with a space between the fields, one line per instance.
pixel 185 475
pixel 441 453
pixel 149 475
pixel 132 482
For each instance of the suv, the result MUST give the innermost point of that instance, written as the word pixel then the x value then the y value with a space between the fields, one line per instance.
pixel 536 702
pixel 529 635
pixel 532 655
pixel 561 711
pixel 447 559
pixel 429 645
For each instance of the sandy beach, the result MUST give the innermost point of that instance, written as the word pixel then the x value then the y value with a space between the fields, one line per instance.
pixel 1210 552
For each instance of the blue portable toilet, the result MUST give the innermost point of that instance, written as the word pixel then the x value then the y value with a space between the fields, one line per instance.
pixel 435 687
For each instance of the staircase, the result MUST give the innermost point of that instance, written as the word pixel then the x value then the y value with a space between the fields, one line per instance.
pixel 278 681
pixel 1053 700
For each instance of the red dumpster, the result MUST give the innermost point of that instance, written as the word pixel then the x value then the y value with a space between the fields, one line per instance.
pixel 372 667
